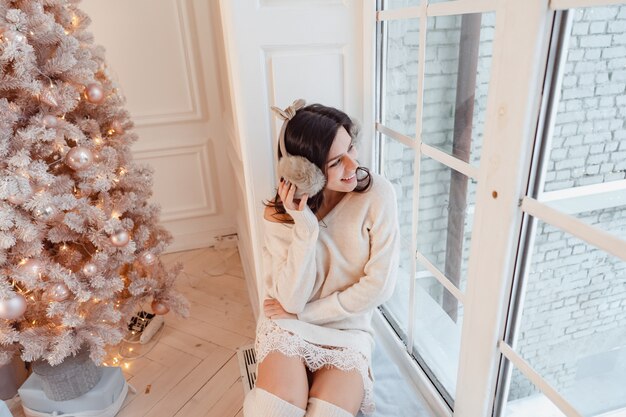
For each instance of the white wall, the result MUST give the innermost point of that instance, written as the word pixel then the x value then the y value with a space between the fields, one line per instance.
pixel 165 55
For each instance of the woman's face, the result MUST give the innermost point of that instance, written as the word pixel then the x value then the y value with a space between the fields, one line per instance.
pixel 341 164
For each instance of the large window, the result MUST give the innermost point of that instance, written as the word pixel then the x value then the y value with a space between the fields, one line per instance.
pixel 560 346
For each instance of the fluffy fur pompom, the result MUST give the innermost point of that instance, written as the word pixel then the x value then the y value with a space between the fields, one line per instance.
pixel 298 170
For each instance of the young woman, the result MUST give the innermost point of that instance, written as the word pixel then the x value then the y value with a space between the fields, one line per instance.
pixel 329 260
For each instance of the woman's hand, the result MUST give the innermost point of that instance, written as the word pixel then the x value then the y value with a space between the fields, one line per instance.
pixel 286 191
pixel 273 310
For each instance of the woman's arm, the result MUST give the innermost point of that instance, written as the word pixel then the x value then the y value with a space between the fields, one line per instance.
pixel 293 267
pixel 377 285
pixel 293 258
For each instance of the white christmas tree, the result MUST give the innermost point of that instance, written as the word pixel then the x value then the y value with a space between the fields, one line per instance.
pixel 79 241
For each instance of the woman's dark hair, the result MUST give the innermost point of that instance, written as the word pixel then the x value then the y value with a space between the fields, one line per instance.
pixel 310 133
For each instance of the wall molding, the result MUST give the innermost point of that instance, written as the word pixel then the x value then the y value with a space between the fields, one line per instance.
pixel 201 152
pixel 195 111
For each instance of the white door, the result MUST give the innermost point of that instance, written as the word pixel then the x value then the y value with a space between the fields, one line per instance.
pixel 164 56
pixel 278 51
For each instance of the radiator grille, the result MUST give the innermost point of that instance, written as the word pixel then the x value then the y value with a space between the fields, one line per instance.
pixel 247 366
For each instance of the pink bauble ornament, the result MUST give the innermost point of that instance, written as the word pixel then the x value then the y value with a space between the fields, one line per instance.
pixel 90 269
pixel 147 258
pixel 58 292
pixel 50 121
pixel 79 158
pixel 94 93
pixel 159 308
pixel 13 307
pixel 120 238
pixel 31 268
pixel 14 36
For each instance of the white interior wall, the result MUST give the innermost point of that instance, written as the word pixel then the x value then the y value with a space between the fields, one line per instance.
pixel 167 61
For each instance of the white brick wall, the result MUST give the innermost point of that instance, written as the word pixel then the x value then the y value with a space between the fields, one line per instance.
pixel 576 295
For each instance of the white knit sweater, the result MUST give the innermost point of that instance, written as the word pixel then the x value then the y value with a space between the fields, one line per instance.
pixel 335 272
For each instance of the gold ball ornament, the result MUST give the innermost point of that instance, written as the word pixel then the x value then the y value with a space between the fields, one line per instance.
pixel 94 93
pixel 13 307
pixel 79 158
pixel 158 307
pixel 120 238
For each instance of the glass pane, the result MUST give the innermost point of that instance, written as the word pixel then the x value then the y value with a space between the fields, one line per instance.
pixel 398 4
pixel 573 324
pixel 398 167
pixel 589 139
pixel 446 211
pixel 437 336
pixel 456 80
pixel 533 404
pixel 400 79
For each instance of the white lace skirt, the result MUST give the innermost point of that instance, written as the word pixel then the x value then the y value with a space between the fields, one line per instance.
pixel 271 337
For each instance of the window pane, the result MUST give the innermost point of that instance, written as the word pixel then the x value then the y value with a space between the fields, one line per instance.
pixel 397 4
pixel 400 78
pixel 456 80
pixel 398 167
pixel 446 211
pixel 535 404
pixel 573 323
pixel 437 335
pixel 589 139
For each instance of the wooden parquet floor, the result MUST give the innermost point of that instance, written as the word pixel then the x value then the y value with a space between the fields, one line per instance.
pixel 191 368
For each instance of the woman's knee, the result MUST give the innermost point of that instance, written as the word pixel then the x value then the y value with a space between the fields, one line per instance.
pixel 341 388
pixel 284 377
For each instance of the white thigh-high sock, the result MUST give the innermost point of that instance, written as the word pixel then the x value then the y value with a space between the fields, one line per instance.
pixel 321 408
pixel 260 403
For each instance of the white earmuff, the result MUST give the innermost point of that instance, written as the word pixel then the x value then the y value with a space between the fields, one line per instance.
pixel 304 174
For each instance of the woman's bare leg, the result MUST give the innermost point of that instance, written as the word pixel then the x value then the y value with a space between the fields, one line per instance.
pixel 341 388
pixel 285 377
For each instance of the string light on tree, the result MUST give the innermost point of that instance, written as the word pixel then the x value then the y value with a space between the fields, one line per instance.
pixel 14 36
pixel 50 121
pixel 74 195
pixel 147 258
pixel 116 128
pixel 30 268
